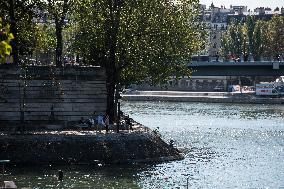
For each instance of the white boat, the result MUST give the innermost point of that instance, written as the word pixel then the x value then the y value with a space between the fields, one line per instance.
pixel 275 88
pixel 9 184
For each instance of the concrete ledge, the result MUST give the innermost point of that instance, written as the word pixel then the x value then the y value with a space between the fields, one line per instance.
pixel 238 98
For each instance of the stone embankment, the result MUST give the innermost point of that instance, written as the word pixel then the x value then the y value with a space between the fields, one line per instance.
pixel 211 97
pixel 86 147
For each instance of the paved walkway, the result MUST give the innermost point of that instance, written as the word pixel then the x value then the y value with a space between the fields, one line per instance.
pixel 136 128
pixel 216 97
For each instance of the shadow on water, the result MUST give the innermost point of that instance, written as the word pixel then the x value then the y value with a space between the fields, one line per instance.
pixel 75 176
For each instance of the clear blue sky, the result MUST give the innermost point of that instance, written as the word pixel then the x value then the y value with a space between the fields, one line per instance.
pixel 250 3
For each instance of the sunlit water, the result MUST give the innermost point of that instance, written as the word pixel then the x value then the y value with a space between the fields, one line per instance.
pixel 225 146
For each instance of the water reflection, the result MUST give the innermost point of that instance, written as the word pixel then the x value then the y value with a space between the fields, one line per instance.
pixel 76 176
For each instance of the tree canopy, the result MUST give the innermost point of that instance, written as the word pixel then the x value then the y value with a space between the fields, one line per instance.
pixel 261 39
pixel 58 10
pixel 138 40
pixel 20 14
pixel 135 41
pixel 5 39
pixel 151 39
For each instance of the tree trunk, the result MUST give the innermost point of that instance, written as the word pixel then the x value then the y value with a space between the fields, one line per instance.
pixel 111 107
pixel 59 45
pixel 111 67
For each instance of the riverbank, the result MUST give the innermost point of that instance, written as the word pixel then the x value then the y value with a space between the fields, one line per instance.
pixel 86 147
pixel 210 97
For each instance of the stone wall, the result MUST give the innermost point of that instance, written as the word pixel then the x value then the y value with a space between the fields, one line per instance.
pixel 205 97
pixel 50 94
pixel 111 148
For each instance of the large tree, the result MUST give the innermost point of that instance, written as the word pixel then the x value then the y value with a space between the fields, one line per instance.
pixel 276 36
pixel 19 14
pixel 5 39
pixel 58 10
pixel 45 44
pixel 137 40
pixel 232 42
pixel 261 38
pixel 250 28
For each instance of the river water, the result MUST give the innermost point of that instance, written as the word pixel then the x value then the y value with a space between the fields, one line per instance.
pixel 225 146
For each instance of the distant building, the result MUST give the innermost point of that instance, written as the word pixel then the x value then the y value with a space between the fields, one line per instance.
pixel 238 9
pixel 217 19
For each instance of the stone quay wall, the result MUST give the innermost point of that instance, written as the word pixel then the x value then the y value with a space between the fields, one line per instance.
pixel 86 148
pixel 50 94
pixel 205 97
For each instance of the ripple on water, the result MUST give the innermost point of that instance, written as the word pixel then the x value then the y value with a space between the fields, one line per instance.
pixel 225 145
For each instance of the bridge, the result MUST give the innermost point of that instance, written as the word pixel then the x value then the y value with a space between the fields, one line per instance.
pixel 257 68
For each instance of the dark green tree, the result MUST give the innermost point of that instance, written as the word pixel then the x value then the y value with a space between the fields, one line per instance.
pixel 58 10
pixel 233 42
pixel 20 14
pixel 250 24
pixel 137 40
pixel 45 43
pixel 276 36
pixel 260 39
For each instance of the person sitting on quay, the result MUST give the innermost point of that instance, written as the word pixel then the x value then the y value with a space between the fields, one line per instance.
pixel 128 123
pixel 100 122
pixel 82 124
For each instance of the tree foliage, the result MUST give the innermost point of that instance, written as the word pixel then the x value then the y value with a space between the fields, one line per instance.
pixel 232 42
pixel 45 43
pixel 5 39
pixel 58 10
pixel 275 36
pixel 19 14
pixel 137 40
pixel 148 36
pixel 259 38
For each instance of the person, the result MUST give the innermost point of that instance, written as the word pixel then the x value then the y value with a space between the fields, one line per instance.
pixel 81 121
pixel 106 123
pixel 101 123
pixel 128 122
pixel 217 57
pixel 82 124
pixel 90 122
pixel 171 143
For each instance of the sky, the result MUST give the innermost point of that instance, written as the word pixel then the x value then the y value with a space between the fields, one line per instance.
pixel 252 4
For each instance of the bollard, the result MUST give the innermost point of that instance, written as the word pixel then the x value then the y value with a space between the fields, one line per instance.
pixel 60 175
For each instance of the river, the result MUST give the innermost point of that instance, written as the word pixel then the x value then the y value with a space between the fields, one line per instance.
pixel 225 146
